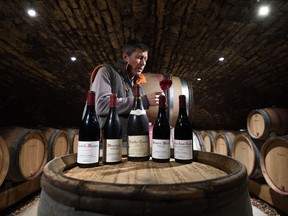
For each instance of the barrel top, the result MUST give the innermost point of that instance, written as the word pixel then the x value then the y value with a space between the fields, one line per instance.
pixel 275 149
pixel 212 180
pixel 147 172
pixel 211 185
pixel 209 172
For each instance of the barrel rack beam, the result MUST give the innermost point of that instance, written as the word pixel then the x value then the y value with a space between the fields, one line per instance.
pixel 18 192
pixel 264 192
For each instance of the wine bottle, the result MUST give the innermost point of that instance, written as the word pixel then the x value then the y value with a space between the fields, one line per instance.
pixel 183 145
pixel 138 130
pixel 112 135
pixel 89 134
pixel 161 134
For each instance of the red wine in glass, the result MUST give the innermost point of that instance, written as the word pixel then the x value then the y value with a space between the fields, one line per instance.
pixel 166 83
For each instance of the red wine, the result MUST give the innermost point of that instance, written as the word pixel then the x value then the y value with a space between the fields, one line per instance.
pixel 89 134
pixel 183 144
pixel 138 130
pixel 165 84
pixel 161 134
pixel 112 135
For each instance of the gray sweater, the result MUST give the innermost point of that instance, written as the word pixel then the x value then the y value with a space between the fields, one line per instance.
pixel 104 85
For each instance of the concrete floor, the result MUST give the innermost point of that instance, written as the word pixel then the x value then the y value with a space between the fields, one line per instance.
pixel 257 212
pixel 32 210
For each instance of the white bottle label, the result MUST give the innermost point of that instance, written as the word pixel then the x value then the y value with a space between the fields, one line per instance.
pixel 88 152
pixel 113 150
pixel 138 146
pixel 138 112
pixel 183 149
pixel 161 149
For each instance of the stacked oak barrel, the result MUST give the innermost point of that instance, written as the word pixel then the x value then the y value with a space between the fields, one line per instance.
pixel 263 148
pixel 25 151
pixel 269 126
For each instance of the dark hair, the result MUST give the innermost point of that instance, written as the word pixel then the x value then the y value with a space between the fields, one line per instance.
pixel 132 45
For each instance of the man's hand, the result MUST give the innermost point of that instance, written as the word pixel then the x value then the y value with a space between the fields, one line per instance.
pixel 153 98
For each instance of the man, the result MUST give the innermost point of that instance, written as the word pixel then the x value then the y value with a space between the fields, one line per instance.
pixel 119 79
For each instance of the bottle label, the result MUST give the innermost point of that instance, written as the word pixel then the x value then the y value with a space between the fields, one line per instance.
pixel 138 146
pixel 138 112
pixel 183 149
pixel 161 149
pixel 113 150
pixel 88 152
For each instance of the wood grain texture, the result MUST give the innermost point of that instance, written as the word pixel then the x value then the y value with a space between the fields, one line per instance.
pixel 4 159
pixel 274 163
pixel 28 152
pixel 147 173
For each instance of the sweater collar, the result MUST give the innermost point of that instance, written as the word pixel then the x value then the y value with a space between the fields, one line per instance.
pixel 123 68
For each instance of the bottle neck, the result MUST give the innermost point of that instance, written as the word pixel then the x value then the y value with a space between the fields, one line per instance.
pixel 162 106
pixel 182 105
pixel 162 113
pixel 113 105
pixel 162 101
pixel 182 112
pixel 182 102
pixel 136 90
pixel 137 97
pixel 113 101
pixel 91 98
pixel 90 111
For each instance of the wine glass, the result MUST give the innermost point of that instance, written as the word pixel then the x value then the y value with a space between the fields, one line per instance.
pixel 166 82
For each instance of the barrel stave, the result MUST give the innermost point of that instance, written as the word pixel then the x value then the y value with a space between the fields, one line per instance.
pixel 142 199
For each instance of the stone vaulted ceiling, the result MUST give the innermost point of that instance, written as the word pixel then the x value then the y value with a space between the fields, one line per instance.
pixel 40 85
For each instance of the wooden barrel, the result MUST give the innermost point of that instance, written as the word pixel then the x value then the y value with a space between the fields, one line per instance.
pixel 212 185
pixel 179 86
pixel 263 123
pixel 73 134
pixel 247 151
pixel 223 142
pixel 58 142
pixel 198 141
pixel 4 160
pixel 209 140
pixel 274 163
pixel 28 152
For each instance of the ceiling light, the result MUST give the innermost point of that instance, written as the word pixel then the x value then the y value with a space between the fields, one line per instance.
pixel 221 59
pixel 198 79
pixel 73 58
pixel 263 10
pixel 31 12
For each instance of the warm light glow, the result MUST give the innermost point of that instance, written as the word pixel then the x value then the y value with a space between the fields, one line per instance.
pixel 198 79
pixel 263 11
pixel 221 59
pixel 73 58
pixel 31 12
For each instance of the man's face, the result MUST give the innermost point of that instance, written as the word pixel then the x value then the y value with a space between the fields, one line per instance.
pixel 137 60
